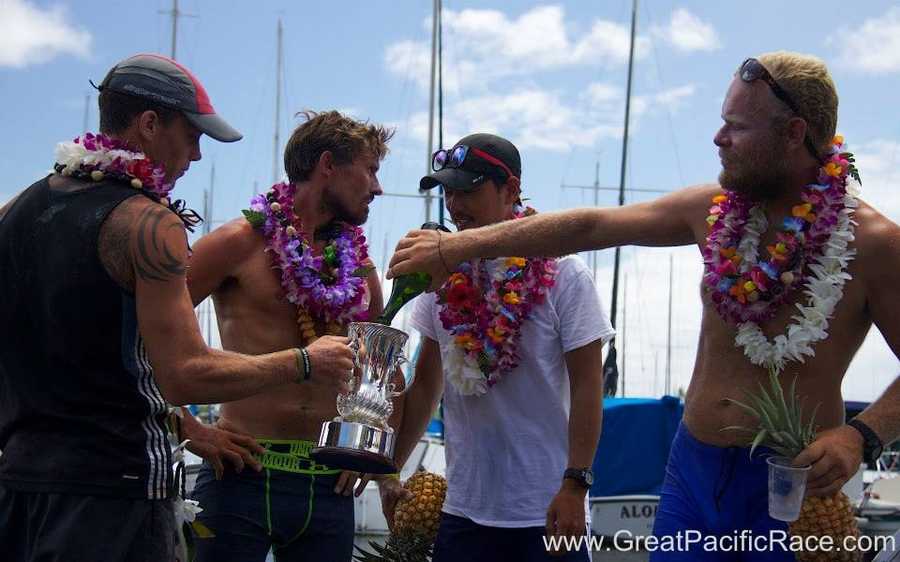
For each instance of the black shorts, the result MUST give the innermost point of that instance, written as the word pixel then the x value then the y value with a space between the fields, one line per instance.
pixel 49 527
pixel 296 515
pixel 460 539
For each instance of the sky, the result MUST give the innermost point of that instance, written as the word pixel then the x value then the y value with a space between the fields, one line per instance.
pixel 548 76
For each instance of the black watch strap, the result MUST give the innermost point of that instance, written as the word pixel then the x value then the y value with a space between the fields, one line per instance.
pixel 872 445
pixel 584 476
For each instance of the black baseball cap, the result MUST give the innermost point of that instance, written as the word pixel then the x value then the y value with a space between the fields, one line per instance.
pixel 475 170
pixel 164 81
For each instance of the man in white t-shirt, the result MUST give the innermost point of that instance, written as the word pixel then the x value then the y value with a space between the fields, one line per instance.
pixel 514 347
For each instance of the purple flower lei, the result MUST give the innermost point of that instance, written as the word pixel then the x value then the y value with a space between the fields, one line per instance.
pixel 328 287
pixel 744 289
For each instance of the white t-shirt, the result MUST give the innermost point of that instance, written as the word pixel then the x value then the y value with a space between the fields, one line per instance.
pixel 507 449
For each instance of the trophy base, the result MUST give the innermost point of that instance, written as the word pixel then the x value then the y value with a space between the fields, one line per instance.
pixel 355 446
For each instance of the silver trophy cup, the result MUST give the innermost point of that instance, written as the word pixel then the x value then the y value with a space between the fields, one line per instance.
pixel 359 438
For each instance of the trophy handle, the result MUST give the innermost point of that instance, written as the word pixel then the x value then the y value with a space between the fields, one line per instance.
pixel 391 393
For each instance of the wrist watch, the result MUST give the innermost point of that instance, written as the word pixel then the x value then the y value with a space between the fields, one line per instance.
pixel 872 445
pixel 583 476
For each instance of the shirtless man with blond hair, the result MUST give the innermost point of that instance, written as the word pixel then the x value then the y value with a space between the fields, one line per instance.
pixel 779 116
pixel 303 510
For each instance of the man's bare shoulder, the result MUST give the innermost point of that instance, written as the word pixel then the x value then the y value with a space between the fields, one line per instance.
pixel 700 194
pixel 223 254
pixel 693 203
pixel 877 238
pixel 690 200
pixel 236 238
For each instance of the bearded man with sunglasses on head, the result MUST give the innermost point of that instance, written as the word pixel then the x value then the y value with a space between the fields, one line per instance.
pixel 514 346
pixel 781 229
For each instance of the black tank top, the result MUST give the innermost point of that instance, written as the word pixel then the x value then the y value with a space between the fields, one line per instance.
pixel 80 411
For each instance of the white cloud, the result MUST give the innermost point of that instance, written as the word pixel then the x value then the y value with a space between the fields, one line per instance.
pixel 674 97
pixel 608 43
pixel 687 33
pixel 533 117
pixel 484 46
pixel 410 58
pixel 601 93
pixel 492 78
pixel 877 161
pixel 33 35
pixel 606 102
pixel 874 47
pixel 670 100
pixel 529 118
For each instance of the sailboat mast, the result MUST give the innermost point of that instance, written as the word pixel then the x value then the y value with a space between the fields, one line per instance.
pixel 440 92
pixel 174 27
pixel 175 13
pixel 434 39
pixel 615 288
pixel 277 144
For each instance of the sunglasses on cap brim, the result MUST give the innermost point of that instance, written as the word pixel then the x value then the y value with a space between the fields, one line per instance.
pixel 457 156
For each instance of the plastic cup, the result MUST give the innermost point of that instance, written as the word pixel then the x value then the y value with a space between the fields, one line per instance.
pixel 787 485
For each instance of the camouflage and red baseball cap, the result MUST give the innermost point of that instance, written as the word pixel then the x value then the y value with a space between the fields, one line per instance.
pixel 164 81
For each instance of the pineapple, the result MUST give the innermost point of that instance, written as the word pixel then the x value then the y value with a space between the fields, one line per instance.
pixel 782 429
pixel 416 523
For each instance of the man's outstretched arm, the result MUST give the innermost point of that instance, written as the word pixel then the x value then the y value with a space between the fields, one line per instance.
pixel 666 221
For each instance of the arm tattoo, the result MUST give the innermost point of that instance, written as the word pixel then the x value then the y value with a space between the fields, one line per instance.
pixel 153 260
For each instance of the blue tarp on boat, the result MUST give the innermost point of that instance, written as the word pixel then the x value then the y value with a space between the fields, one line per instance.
pixel 634 445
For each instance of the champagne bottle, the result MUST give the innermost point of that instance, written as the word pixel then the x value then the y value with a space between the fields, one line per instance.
pixel 407 287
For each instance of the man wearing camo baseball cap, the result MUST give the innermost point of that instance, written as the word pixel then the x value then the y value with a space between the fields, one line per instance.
pixel 162 80
pixel 98 334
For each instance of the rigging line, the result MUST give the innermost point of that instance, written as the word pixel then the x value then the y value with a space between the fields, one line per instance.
pixel 194 38
pixel 452 48
pixel 668 112
pixel 239 196
pixel 568 164
pixel 249 157
pixel 642 337
pixel 405 91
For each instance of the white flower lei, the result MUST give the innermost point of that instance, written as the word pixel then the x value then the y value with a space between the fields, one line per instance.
pixel 824 290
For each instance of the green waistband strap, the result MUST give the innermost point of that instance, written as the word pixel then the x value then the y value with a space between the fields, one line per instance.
pixel 296 460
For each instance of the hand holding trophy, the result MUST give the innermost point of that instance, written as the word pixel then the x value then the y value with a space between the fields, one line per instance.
pixel 359 438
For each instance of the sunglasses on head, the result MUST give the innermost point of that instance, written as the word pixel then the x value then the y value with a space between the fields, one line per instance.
pixel 752 70
pixel 455 158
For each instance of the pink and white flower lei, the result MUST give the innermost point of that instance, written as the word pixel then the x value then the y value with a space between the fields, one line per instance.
pixel 811 251
pixel 330 287
pixel 483 308
pixel 98 157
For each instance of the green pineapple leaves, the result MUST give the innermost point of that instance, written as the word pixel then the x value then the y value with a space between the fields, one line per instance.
pixel 780 418
pixel 406 547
